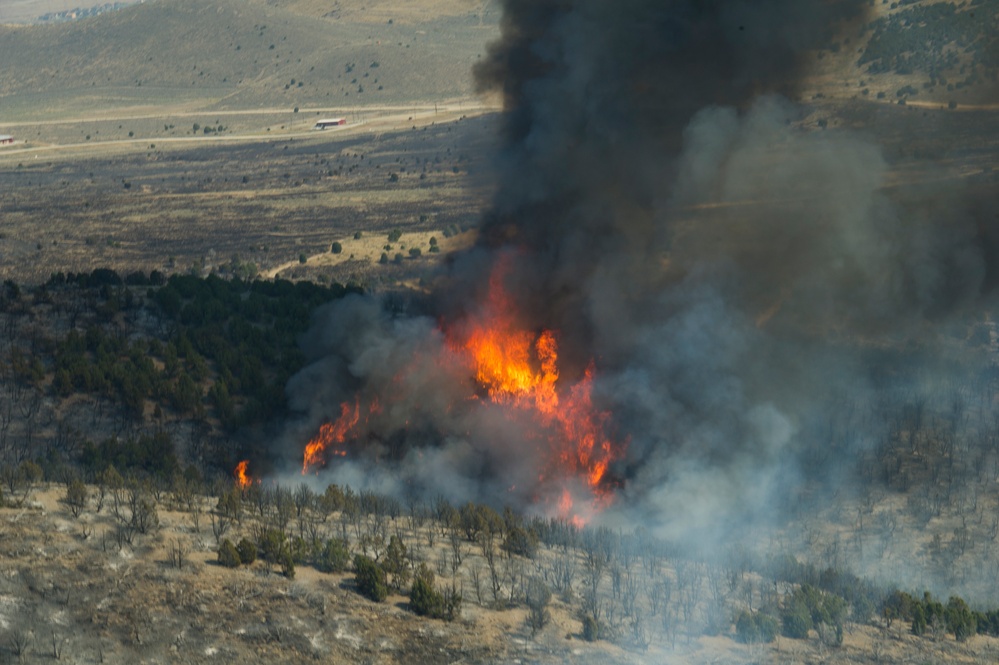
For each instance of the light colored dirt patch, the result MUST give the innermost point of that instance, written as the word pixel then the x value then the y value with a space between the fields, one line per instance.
pixel 369 248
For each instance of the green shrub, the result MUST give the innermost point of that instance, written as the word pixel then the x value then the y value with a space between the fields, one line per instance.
pixel 228 556
pixel 796 621
pixel 288 564
pixel 370 577
pixel 335 556
pixel 918 620
pixel 591 628
pixel 755 628
pixel 247 551
pixel 521 541
pixel 336 248
pixel 424 599
pixel 960 620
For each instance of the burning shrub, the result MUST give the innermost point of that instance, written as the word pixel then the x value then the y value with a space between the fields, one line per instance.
pixel 371 579
pixel 228 555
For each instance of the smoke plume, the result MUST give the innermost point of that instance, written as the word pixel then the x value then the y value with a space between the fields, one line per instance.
pixel 756 301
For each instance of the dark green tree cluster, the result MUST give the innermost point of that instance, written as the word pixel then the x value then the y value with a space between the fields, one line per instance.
pixel 927 615
pixel 227 347
pixel 930 38
pixel 149 455
pixel 809 607
pixel 755 627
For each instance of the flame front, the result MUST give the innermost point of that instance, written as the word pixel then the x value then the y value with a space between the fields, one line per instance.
pixel 243 478
pixel 518 370
pixel 332 436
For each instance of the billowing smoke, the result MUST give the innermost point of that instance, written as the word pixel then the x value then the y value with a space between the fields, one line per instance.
pixel 757 302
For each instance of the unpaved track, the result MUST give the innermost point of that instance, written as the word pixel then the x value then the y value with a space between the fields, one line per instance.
pixel 386 118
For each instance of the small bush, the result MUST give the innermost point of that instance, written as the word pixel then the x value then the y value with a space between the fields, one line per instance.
pixel 538 596
pixel 228 556
pixel 521 541
pixel 288 564
pixel 247 551
pixel 335 556
pixel 424 599
pixel 755 628
pixel 591 628
pixel 371 579
pixel 796 622
pixel 336 248
pixel 76 496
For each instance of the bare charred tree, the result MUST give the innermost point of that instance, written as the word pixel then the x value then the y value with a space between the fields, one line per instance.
pixel 561 573
pixel 629 593
pixel 220 525
pixel 20 640
pixel 76 496
pixel 537 598
pixel 416 514
pixel 178 552
pixel 476 575
pixel 303 499
pixel 457 548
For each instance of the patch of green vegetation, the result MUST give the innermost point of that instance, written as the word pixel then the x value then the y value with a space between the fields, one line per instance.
pixel 935 39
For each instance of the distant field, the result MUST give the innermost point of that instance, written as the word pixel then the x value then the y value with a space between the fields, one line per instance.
pixel 188 55
pixel 28 11
pixel 198 204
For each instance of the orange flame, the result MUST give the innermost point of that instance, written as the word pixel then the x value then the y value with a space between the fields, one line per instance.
pixel 332 434
pixel 243 479
pixel 518 369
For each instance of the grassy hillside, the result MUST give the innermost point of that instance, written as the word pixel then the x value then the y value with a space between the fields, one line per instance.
pixel 923 51
pixel 236 54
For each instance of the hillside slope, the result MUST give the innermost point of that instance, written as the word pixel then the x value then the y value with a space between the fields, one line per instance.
pixel 230 54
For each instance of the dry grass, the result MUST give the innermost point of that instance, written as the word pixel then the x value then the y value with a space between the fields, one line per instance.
pixel 199 203
pixel 71 588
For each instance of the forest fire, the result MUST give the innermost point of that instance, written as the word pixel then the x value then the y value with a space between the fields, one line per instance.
pixel 243 479
pixel 517 370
